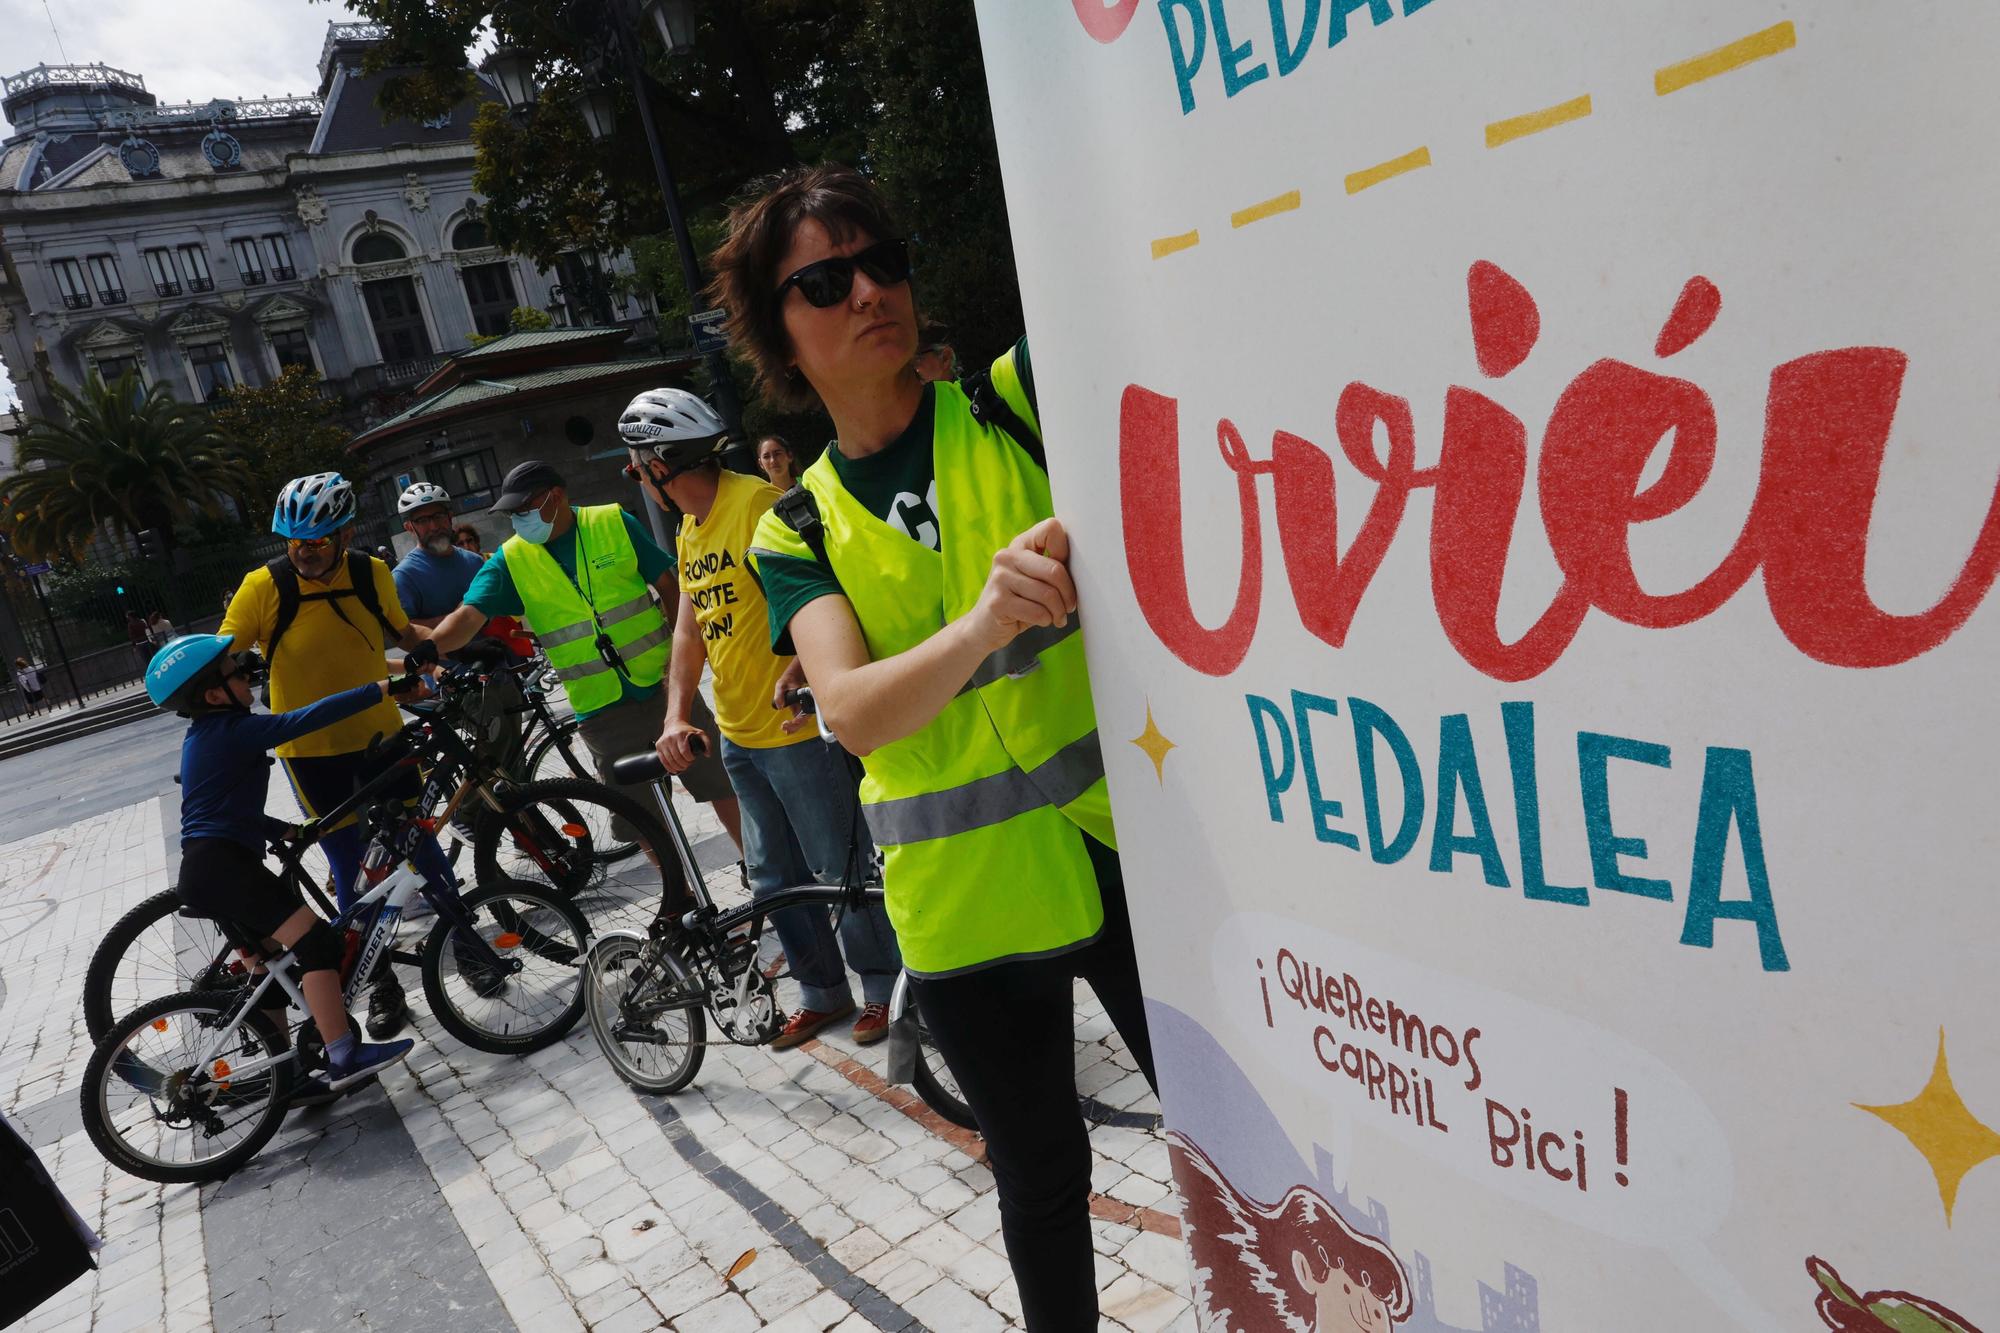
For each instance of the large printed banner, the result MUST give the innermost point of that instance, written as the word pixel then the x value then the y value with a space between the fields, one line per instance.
pixel 1532 473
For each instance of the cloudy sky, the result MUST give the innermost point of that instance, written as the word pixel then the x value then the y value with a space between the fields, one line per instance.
pixel 187 52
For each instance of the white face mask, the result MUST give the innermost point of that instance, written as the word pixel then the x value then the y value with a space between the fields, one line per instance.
pixel 532 527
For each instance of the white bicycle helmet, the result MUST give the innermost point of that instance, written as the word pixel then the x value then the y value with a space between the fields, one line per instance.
pixel 419 494
pixel 314 506
pixel 672 425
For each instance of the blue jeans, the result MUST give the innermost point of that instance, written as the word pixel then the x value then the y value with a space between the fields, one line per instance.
pixel 800 813
pixel 322 782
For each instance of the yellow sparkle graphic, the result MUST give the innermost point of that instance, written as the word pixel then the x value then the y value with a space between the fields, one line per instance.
pixel 1155 744
pixel 1939 1125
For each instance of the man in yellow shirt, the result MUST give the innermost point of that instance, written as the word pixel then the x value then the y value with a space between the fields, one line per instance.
pixel 324 617
pixel 801 819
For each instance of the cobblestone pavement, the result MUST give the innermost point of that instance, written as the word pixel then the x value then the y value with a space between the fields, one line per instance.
pixel 794 1191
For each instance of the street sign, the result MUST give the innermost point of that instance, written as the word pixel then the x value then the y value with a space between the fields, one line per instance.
pixel 706 326
pixel 39 567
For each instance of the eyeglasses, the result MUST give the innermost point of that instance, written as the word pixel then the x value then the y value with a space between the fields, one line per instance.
pixel 309 545
pixel 430 520
pixel 828 281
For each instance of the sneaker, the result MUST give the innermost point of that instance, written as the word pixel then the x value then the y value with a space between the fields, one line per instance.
pixel 364 1061
pixel 805 1023
pixel 388 1010
pixel 873 1025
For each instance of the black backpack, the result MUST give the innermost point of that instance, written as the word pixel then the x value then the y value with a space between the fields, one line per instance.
pixel 799 510
pixel 360 574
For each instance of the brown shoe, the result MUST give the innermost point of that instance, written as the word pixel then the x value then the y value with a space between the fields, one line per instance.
pixel 805 1023
pixel 873 1025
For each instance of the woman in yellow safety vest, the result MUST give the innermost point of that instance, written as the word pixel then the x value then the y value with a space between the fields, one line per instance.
pixel 930 603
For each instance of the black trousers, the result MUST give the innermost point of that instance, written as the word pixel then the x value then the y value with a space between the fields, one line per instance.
pixel 1008 1034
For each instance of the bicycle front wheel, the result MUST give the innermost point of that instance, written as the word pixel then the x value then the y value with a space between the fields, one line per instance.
pixel 644 1012
pixel 543 833
pixel 150 952
pixel 536 995
pixel 156 1114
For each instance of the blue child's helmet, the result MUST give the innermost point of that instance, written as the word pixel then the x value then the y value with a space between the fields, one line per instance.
pixel 314 506
pixel 174 672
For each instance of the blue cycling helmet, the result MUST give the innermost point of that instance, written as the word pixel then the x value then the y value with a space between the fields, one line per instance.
pixel 314 506
pixel 175 670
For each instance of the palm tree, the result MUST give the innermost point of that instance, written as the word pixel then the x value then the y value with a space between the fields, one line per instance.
pixel 115 457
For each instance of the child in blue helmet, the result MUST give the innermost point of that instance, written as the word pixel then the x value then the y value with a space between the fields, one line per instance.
pixel 224 772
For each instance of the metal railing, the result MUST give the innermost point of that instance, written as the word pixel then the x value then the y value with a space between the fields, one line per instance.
pixel 46 76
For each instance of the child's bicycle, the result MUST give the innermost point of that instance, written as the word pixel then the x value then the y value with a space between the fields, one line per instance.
pixel 189 1087
pixel 650 994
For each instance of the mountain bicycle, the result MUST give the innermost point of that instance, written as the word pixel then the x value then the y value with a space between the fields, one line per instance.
pixel 189 1087
pixel 650 992
pixel 154 949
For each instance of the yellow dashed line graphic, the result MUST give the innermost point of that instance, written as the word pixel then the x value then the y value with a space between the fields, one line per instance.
pixel 1758 45
pixel 1382 171
pixel 1283 203
pixel 1774 40
pixel 1534 122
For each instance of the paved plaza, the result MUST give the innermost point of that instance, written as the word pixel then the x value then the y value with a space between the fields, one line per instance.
pixel 794 1191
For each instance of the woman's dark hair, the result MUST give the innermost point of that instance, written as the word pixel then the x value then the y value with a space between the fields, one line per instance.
pixel 464 530
pixel 761 229
pixel 781 442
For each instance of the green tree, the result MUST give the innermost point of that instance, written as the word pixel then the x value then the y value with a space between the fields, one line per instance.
pixel 120 458
pixel 280 430
pixel 521 319
pixel 896 87
pixel 931 146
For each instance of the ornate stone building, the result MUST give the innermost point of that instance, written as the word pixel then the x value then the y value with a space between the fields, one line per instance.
pixel 212 244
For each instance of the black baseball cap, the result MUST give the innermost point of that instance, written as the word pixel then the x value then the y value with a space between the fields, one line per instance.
pixel 522 483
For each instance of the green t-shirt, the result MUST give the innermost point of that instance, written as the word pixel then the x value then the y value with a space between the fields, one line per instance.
pixel 897 484
pixel 493 590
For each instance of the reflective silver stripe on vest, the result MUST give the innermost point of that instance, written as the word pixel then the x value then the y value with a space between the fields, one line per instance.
pixel 583 629
pixel 983 802
pixel 625 611
pixel 625 654
pixel 1023 655
pixel 644 642
pixel 594 666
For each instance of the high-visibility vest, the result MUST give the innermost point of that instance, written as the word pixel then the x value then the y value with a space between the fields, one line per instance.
pixel 620 605
pixel 980 815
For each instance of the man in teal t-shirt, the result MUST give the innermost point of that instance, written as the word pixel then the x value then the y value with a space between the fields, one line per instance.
pixel 535 497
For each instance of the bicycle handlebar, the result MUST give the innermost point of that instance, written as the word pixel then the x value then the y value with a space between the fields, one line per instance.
pixel 635 769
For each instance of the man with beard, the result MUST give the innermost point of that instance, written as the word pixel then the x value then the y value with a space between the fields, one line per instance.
pixel 431 580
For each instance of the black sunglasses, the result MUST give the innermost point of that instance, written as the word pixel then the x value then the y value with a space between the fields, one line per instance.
pixel 828 281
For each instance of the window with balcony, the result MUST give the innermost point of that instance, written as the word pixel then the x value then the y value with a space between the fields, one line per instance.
pixel 210 364
pixel 194 268
pixel 489 290
pixel 249 265
pixel 291 348
pixel 279 251
pixel 105 277
pixel 160 266
pixel 69 281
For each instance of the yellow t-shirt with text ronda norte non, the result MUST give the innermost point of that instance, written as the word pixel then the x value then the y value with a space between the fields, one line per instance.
pixel 729 607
